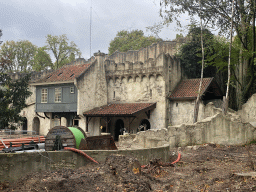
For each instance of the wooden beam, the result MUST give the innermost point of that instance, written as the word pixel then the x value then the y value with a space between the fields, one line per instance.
pixel 130 122
pixel 148 114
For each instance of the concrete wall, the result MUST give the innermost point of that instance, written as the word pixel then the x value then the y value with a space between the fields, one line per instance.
pixel 219 129
pixel 15 165
pixel 182 112
pixel 248 111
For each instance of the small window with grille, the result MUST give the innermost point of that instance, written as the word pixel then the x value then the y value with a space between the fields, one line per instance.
pixel 44 93
pixel 58 95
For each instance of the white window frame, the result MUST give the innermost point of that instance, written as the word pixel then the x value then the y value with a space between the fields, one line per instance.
pixel 44 95
pixel 57 96
pixel 72 89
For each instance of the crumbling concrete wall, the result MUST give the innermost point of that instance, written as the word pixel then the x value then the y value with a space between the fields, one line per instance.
pixel 182 112
pixel 220 129
pixel 15 165
pixel 248 111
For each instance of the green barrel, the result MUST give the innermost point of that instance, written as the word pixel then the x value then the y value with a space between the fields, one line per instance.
pixel 77 134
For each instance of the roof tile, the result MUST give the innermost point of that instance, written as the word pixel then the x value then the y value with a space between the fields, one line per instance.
pixel 189 88
pixel 65 73
pixel 118 109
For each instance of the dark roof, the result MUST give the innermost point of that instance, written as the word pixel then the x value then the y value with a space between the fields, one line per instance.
pixel 65 73
pixel 120 109
pixel 188 89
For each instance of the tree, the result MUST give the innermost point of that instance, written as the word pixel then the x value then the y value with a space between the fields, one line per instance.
pixel 134 40
pixel 190 53
pixel 13 96
pixel 61 49
pixel 42 59
pixel 218 14
pixel 20 53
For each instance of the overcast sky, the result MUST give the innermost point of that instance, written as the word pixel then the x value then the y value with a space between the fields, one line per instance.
pixel 33 19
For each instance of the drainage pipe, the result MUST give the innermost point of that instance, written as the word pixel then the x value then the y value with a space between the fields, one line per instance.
pixel 82 153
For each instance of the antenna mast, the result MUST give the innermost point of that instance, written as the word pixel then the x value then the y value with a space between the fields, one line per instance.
pixel 91 29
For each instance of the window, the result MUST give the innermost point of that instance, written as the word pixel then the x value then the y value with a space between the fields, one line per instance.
pixel 58 95
pixel 44 93
pixel 76 122
pixel 72 90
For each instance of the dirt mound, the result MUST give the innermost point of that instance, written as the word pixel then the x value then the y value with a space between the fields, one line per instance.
pixel 119 173
pixel 201 168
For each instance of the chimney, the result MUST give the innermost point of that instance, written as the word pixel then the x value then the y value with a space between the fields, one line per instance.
pixel 100 60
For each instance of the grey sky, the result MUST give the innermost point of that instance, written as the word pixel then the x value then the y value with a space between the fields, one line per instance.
pixel 33 19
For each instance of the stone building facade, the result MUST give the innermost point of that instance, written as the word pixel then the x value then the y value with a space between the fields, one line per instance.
pixel 123 90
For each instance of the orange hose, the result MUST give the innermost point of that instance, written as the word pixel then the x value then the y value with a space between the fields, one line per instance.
pixel 81 152
pixel 178 159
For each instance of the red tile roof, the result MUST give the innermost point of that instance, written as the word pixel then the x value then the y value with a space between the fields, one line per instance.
pixel 65 73
pixel 120 109
pixel 189 88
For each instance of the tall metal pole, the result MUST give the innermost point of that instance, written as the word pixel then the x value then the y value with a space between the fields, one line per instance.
pixel 91 29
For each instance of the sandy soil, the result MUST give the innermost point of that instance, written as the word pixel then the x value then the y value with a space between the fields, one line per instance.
pixel 206 167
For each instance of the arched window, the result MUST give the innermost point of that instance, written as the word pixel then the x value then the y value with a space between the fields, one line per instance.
pixel 146 124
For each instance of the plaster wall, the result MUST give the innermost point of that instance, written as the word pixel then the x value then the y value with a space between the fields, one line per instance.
pixel 86 90
pixel 170 47
pixel 182 112
pixel 248 111
pixel 44 125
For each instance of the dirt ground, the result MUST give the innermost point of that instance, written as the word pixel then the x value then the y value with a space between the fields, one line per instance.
pixel 204 168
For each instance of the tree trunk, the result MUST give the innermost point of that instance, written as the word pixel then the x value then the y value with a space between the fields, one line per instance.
pixel 196 109
pixel 225 101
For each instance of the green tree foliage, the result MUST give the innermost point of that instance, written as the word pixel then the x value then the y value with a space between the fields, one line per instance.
pixel 13 95
pixel 20 53
pixel 218 14
pixel 191 53
pixel 133 40
pixel 62 50
pixel 42 59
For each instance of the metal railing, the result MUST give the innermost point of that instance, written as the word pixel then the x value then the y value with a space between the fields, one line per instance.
pixel 17 132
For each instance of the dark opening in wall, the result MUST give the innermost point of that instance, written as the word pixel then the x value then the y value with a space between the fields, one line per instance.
pixel 76 122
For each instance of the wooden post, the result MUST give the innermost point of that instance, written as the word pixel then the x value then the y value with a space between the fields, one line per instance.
pixel 107 131
pixel 86 128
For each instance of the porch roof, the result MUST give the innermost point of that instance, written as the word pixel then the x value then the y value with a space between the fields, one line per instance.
pixel 120 109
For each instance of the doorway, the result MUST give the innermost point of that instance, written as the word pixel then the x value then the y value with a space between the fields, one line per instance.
pixel 36 126
pixel 25 126
pixel 118 127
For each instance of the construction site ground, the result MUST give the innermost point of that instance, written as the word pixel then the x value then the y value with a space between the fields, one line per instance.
pixel 204 168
